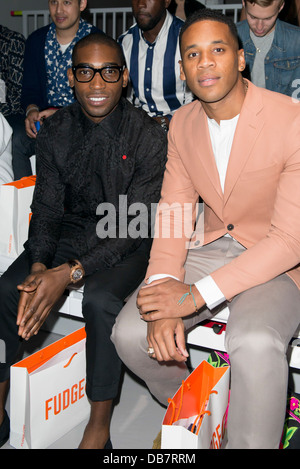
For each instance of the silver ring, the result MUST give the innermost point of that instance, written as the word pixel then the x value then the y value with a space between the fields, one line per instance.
pixel 150 351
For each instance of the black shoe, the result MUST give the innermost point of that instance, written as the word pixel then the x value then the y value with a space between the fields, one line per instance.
pixel 108 444
pixel 4 430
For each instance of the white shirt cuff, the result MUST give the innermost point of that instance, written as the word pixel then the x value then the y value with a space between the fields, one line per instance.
pixel 207 288
pixel 210 292
pixel 159 276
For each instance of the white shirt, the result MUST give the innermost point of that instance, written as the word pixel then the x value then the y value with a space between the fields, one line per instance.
pixel 221 138
pixel 6 171
pixel 155 83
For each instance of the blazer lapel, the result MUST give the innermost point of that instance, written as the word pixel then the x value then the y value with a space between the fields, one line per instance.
pixel 249 126
pixel 204 153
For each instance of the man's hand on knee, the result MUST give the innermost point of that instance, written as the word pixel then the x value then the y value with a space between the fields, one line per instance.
pixel 167 339
pixel 38 294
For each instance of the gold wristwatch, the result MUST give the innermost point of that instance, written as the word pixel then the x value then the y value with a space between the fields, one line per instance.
pixel 76 272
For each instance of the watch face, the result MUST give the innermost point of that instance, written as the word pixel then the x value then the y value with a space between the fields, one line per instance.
pixel 77 275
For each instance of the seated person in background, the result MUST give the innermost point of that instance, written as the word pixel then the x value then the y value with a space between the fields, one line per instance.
pixel 12 45
pixel 152 53
pixel 289 13
pixel 245 250
pixel 48 52
pixel 271 47
pixel 6 171
pixel 184 8
pixel 97 154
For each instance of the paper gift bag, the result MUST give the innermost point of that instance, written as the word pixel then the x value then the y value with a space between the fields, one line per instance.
pixel 15 201
pixel 196 415
pixel 48 393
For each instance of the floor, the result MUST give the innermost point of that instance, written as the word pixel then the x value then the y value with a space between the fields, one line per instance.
pixel 136 420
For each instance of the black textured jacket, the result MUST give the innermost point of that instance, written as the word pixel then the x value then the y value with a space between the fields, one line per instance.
pixel 80 165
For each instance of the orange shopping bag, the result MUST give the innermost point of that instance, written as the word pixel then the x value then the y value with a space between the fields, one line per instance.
pixel 48 393
pixel 15 201
pixel 196 415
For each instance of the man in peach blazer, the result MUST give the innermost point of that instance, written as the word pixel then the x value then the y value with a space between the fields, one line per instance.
pixel 237 147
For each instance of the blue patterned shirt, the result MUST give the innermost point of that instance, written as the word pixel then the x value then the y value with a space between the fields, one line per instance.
pixel 57 63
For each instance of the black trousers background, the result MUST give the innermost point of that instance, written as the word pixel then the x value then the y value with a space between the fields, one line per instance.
pixel 103 298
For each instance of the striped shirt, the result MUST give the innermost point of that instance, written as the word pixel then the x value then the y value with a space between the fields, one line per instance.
pixel 154 70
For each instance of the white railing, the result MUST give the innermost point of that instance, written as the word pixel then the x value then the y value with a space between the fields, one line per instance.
pixel 233 8
pixel 113 21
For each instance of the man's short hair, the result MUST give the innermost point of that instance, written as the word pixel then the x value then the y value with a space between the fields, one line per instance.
pixel 210 15
pixel 264 3
pixel 99 38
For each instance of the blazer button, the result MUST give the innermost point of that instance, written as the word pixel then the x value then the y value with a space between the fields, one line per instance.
pixel 230 227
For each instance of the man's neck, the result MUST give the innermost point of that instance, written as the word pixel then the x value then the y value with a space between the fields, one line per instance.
pixel 65 36
pixel 151 35
pixel 228 107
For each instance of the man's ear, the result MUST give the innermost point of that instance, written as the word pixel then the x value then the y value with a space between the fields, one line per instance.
pixel 283 6
pixel 241 60
pixel 70 77
pixel 83 5
pixel 125 77
pixel 182 74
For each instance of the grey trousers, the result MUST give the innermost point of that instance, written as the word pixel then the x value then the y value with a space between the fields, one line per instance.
pixel 261 324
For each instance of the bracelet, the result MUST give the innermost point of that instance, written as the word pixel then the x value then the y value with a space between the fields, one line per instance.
pixel 186 295
pixel 32 108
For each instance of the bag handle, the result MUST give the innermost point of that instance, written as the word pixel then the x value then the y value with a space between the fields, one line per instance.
pixel 201 413
pixel 171 401
pixel 200 417
pixel 38 358
pixel 69 362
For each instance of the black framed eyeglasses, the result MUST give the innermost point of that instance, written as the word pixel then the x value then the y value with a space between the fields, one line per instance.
pixel 85 73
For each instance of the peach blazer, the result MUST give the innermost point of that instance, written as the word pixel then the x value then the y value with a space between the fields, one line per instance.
pixel 260 206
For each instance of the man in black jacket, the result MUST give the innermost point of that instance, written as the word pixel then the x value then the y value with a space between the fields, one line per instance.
pixel 95 159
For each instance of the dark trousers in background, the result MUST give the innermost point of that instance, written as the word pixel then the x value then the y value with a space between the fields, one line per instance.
pixel 103 298
pixel 23 147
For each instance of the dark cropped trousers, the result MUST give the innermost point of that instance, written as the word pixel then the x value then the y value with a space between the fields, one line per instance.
pixel 103 297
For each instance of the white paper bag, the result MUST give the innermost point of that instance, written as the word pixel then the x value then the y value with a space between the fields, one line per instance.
pixel 15 201
pixel 197 414
pixel 48 393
